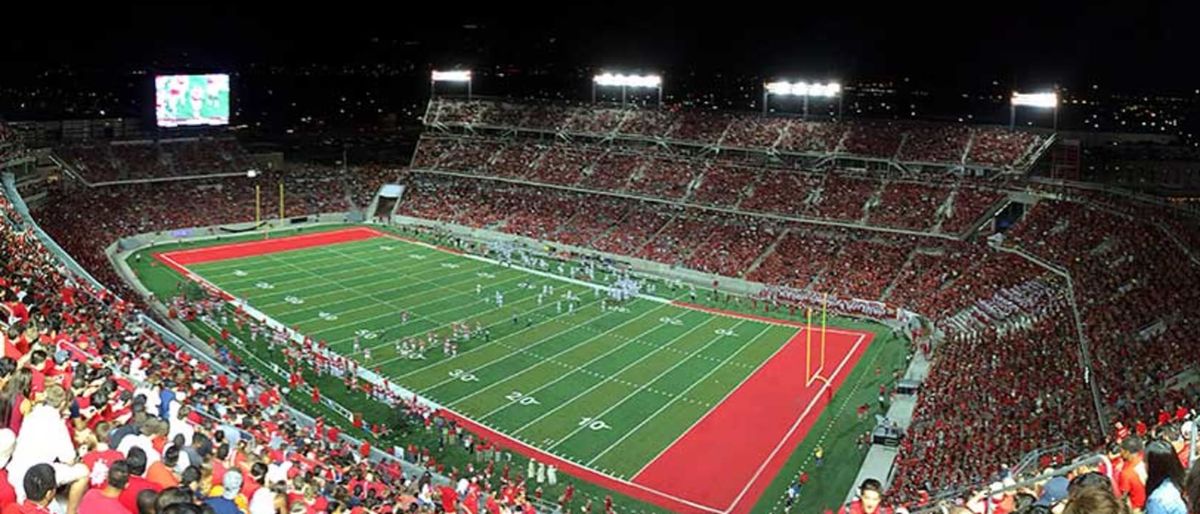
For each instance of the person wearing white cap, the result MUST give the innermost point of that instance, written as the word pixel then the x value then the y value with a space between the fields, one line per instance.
pixel 231 487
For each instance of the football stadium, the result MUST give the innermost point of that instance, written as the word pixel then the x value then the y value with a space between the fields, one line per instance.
pixel 623 296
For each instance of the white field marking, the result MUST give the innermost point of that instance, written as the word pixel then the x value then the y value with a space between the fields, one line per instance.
pixel 833 421
pixel 764 319
pixel 350 273
pixel 455 293
pixel 608 476
pixel 603 376
pixel 327 278
pixel 497 341
pixel 543 340
pixel 351 289
pixel 402 266
pixel 721 401
pixel 372 231
pixel 443 325
pixel 824 385
pixel 540 273
pixel 224 265
pixel 353 273
pixel 550 361
pixel 389 313
pixel 681 395
pixel 644 386
pixel 489 344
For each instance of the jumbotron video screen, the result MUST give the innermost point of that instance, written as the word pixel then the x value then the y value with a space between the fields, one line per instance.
pixel 190 100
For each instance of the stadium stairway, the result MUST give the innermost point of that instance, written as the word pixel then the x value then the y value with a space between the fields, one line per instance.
pixel 766 253
pixel 898 275
pixel 986 216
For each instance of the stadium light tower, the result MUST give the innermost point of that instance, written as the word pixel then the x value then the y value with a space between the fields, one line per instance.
pixel 459 76
pixel 626 82
pixel 1034 100
pixel 804 90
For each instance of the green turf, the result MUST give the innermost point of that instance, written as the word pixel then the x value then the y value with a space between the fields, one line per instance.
pixel 648 373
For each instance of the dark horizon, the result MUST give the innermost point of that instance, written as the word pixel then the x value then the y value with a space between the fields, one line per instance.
pixel 1134 48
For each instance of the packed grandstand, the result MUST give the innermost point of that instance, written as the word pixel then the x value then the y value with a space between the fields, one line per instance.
pixel 1071 330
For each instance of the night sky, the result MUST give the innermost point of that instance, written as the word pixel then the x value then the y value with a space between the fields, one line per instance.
pixel 1135 46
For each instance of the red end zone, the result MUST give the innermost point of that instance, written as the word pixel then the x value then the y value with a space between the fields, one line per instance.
pixel 265 246
pixel 724 462
pixel 721 464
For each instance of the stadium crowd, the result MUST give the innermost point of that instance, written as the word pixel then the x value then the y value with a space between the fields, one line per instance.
pixel 1133 266
pixel 681 175
pixel 909 142
pixel 101 415
pixel 135 160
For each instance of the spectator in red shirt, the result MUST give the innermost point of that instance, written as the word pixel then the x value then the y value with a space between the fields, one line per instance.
pixel 40 485
pixel 870 498
pixel 108 500
pixel 1131 483
pixel 136 462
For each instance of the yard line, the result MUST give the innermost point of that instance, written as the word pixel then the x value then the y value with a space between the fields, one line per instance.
pixel 766 329
pixel 476 315
pixel 426 315
pixel 329 307
pixel 487 345
pixel 550 361
pixel 811 404
pixel 642 388
pixel 723 398
pixel 225 265
pixel 305 236
pixel 542 340
pixel 241 283
pixel 320 285
pixel 585 392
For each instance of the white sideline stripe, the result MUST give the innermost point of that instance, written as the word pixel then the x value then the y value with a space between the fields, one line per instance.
pixel 225 265
pixel 240 283
pixel 245 243
pixel 769 321
pixel 539 343
pixel 681 395
pixel 352 290
pixel 530 447
pixel 580 367
pixel 307 298
pixel 514 441
pixel 273 277
pixel 718 404
pixel 664 373
pixel 540 273
pixel 824 385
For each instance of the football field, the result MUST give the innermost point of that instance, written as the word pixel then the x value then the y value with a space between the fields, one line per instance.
pixel 685 407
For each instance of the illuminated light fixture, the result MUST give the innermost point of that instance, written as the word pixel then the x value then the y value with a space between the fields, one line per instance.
pixel 623 80
pixel 452 76
pixel 805 90
pixel 784 88
pixel 1042 100
pixel 626 82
